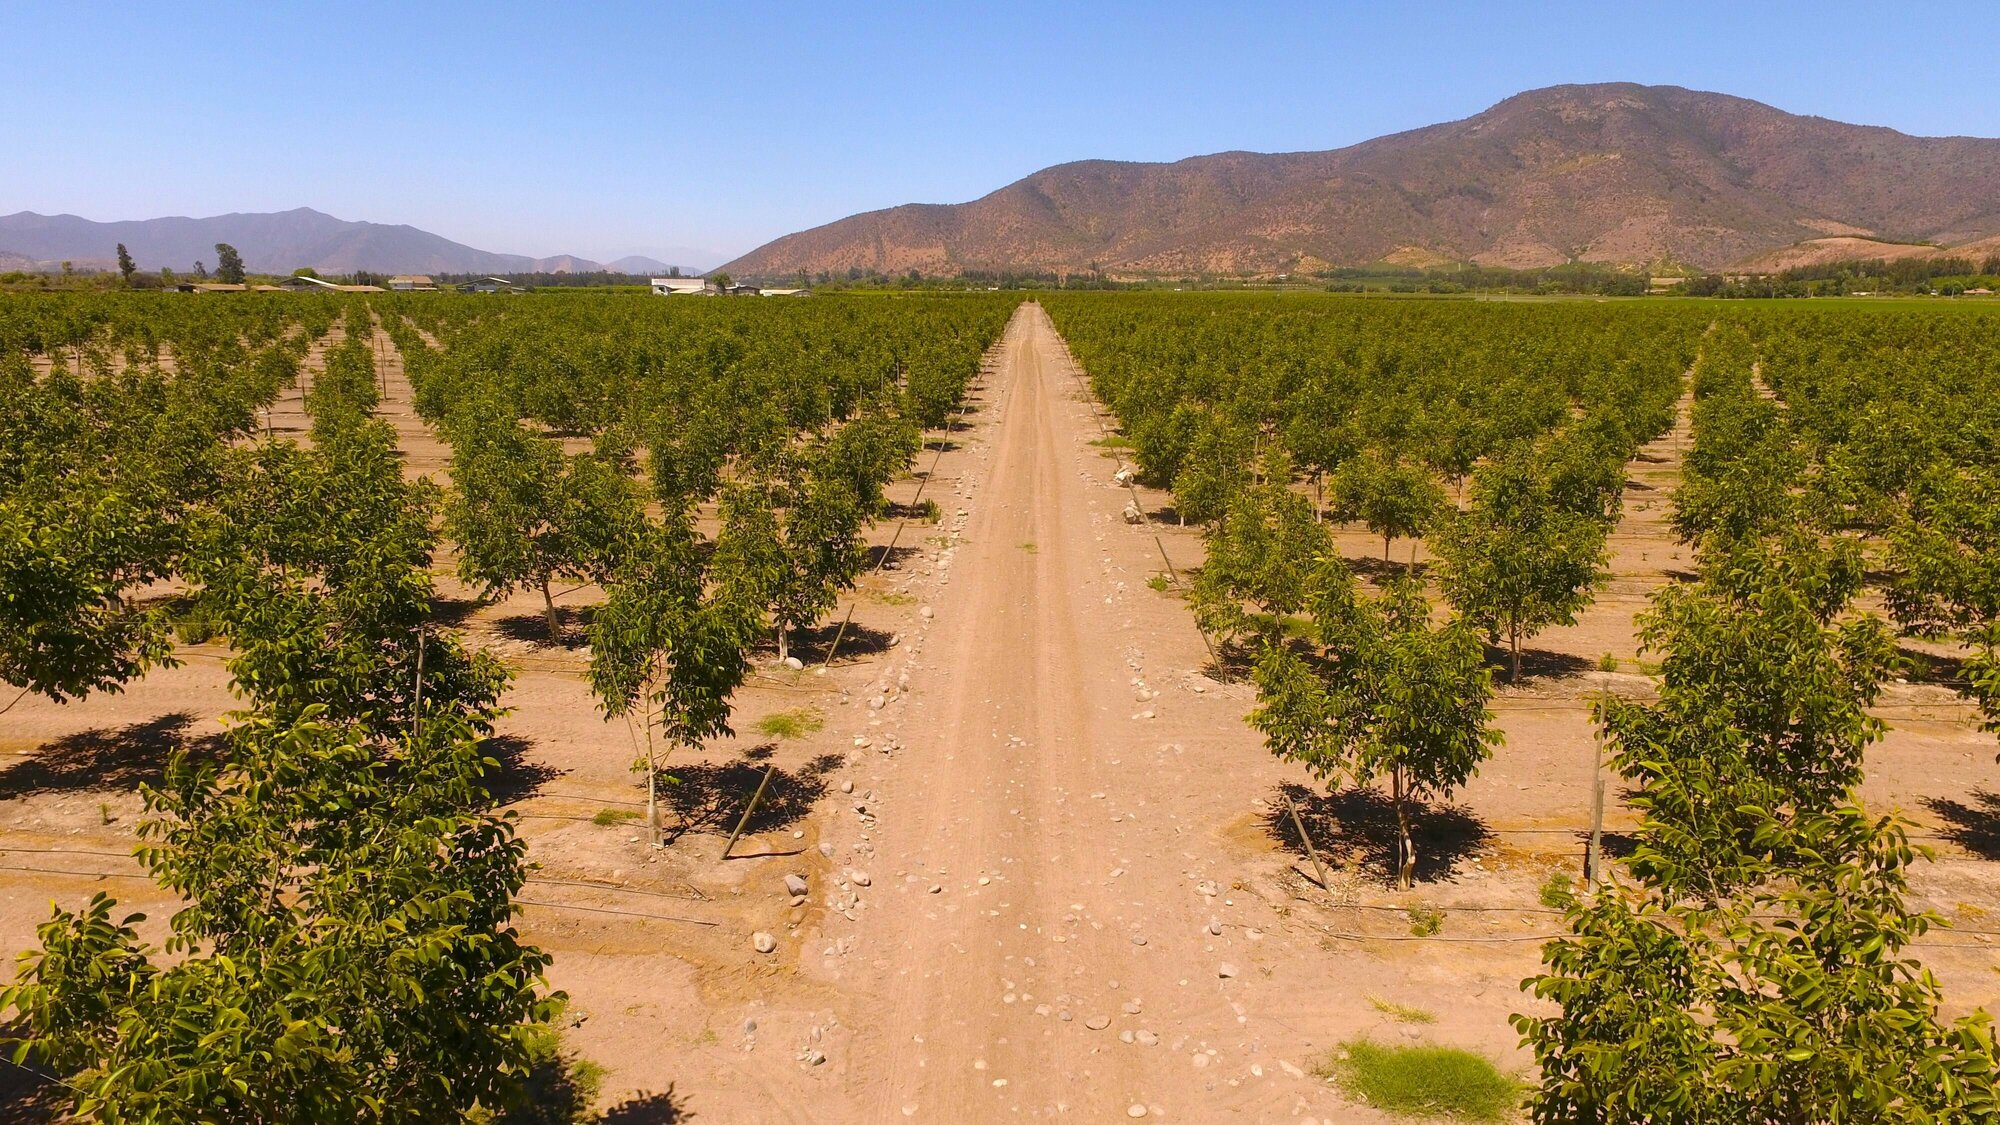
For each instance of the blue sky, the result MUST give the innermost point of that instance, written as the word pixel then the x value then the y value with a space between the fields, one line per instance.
pixel 604 129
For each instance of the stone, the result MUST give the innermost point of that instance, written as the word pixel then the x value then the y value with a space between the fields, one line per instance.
pixel 1225 970
pixel 797 884
pixel 1133 515
pixel 1200 1060
pixel 1129 1007
pixel 795 664
pixel 1135 1110
pixel 847 787
pixel 858 878
pixel 826 850
pixel 763 942
pixel 1215 927
pixel 926 613
pixel 1097 1023
pixel 1146 1038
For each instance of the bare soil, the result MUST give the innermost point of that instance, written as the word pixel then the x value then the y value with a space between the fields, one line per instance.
pixel 1052 872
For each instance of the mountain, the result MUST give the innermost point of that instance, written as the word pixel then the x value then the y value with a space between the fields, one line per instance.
pixel 278 242
pixel 1613 172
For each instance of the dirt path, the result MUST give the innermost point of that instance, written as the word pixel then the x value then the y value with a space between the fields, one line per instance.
pixel 1063 963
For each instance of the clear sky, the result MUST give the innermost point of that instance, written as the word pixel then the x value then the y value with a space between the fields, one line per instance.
pixel 604 129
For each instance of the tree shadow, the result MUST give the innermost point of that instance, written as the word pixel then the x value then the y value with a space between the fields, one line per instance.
pixel 1921 667
pixel 891 557
pixel 517 778
pixel 1974 827
pixel 27 1097
pixel 710 797
pixel 1358 826
pixel 1536 664
pixel 812 645
pixel 1382 571
pixel 107 759
pixel 452 613
pixel 572 627
pixel 924 512
pixel 663 1108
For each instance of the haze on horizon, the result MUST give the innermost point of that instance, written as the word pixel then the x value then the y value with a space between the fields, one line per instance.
pixel 677 132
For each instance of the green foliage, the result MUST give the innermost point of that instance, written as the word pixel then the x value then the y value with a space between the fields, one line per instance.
pixel 228 264
pixel 1763 706
pixel 611 818
pixel 1390 694
pixel 1425 1081
pixel 1558 891
pixel 1795 1001
pixel 1425 921
pixel 1259 552
pixel 796 723
pixel 345 953
pixel 525 514
pixel 1396 499
pixel 1520 559
pixel 665 648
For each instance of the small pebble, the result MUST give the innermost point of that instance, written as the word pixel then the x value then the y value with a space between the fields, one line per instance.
pixel 763 942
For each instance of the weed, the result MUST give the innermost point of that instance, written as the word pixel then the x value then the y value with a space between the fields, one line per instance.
pixel 926 511
pixel 890 597
pixel 1607 663
pixel 104 812
pixel 609 818
pixel 1111 441
pixel 1557 891
pixel 791 724
pixel 1029 547
pixel 1425 921
pixel 1425 1080
pixel 1160 583
pixel 1402 1013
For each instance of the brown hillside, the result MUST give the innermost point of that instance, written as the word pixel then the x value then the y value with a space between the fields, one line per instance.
pixel 1613 172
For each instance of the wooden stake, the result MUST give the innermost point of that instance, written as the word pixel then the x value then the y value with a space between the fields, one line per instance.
pixel 1306 840
pixel 744 820
pixel 1593 860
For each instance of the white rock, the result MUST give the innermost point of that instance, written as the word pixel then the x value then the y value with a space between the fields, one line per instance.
pixel 795 664
pixel 847 787
pixel 858 878
pixel 1132 514
pixel 1135 1110
pixel 926 613
pixel 1146 1038
pixel 796 884
pixel 763 942
pixel 1225 970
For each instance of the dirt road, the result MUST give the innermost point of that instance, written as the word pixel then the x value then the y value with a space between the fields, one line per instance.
pixel 1038 871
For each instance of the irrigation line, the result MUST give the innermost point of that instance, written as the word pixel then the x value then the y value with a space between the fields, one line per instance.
pixel 621 913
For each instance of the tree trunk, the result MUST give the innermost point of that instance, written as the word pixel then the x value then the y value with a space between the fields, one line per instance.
pixel 1406 858
pixel 549 608
pixel 1514 644
pixel 1385 548
pixel 1414 544
pixel 784 643
pixel 1319 497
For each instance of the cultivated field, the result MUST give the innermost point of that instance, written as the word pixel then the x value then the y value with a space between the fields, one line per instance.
pixel 1050 869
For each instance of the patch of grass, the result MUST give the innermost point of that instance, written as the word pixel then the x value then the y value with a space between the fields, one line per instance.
pixel 890 597
pixel 1159 582
pixel 1030 548
pixel 611 818
pixel 1402 1013
pixel 1425 921
pixel 1607 663
pixel 1649 667
pixel 1422 1080
pixel 1111 441
pixel 791 724
pixel 926 511
pixel 559 1088
pixel 1558 893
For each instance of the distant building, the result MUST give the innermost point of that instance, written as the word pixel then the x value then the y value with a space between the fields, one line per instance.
pixel 211 287
pixel 411 282
pixel 787 292
pixel 302 284
pixel 742 290
pixel 490 285
pixel 676 286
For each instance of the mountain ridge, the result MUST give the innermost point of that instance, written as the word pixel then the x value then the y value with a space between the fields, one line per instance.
pixel 1607 172
pixel 270 242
